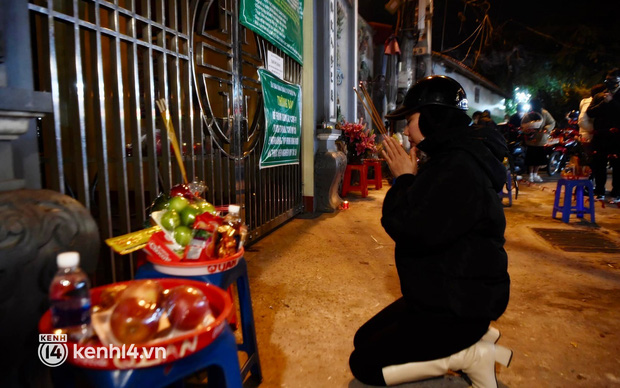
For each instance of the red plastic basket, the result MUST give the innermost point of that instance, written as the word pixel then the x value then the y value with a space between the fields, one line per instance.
pixel 175 348
pixel 195 268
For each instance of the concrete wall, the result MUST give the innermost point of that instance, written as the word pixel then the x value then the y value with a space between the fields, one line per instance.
pixel 487 99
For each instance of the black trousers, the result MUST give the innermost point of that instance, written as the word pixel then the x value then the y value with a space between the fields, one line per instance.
pixel 396 335
pixel 599 171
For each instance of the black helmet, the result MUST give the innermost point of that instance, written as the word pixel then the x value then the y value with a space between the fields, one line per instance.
pixel 436 90
pixel 612 80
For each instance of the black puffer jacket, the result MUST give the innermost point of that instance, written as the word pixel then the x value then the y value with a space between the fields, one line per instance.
pixel 448 224
pixel 606 115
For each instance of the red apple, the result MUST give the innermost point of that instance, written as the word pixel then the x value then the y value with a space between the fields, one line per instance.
pixel 134 321
pixel 186 306
pixel 110 295
pixel 181 190
pixel 148 290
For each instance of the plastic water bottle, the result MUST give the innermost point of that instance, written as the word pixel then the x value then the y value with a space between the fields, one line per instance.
pixel 70 298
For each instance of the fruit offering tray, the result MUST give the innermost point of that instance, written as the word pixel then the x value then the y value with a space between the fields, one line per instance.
pixel 186 227
pixel 173 346
pixel 194 267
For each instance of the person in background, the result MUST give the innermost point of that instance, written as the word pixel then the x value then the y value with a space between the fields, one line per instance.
pixel 604 109
pixel 487 120
pixel 515 119
pixel 450 256
pixel 512 131
pixel 487 114
pixel 536 125
pixel 586 124
pixel 475 117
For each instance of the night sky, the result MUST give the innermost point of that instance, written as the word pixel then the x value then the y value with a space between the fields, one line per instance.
pixel 512 16
pixel 541 30
pixel 541 12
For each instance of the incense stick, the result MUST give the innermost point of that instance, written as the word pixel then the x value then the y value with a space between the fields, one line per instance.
pixel 161 104
pixel 374 109
pixel 378 123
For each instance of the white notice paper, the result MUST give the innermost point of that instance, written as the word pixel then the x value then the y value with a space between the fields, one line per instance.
pixel 275 64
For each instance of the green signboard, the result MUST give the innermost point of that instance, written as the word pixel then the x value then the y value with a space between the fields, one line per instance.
pixel 278 21
pixel 283 121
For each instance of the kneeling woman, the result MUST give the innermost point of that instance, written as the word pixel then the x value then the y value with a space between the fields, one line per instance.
pixel 448 225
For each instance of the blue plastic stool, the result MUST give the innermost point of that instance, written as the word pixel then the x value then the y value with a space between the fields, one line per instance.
pixel 238 274
pixel 508 193
pixel 567 208
pixel 222 352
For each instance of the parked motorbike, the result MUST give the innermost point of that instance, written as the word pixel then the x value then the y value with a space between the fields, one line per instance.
pixel 517 153
pixel 514 141
pixel 563 143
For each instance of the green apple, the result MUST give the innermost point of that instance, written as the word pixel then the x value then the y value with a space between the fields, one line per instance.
pixel 183 235
pixel 188 215
pixel 177 203
pixel 170 220
pixel 205 207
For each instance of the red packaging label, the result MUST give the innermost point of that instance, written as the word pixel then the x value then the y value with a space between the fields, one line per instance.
pixel 208 222
pixel 158 245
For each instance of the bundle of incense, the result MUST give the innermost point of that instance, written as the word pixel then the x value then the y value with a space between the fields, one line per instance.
pixel 161 104
pixel 370 108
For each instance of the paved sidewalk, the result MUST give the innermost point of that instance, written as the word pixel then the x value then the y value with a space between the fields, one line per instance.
pixel 316 279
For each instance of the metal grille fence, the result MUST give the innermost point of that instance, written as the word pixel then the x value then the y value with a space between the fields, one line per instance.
pixel 106 63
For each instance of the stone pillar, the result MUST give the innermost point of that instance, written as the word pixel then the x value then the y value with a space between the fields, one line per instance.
pixel 329 163
pixel 19 104
pixel 19 154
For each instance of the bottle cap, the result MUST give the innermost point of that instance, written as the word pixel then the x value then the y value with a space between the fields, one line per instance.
pixel 234 208
pixel 68 259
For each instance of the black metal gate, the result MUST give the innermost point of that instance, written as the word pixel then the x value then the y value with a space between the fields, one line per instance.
pixel 106 63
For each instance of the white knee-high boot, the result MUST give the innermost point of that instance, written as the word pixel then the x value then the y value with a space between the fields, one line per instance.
pixel 492 335
pixel 477 361
pixel 415 371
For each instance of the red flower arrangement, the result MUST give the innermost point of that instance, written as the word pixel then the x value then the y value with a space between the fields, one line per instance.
pixel 360 142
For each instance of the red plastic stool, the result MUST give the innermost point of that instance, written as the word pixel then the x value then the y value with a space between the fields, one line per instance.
pixel 377 181
pixel 362 186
